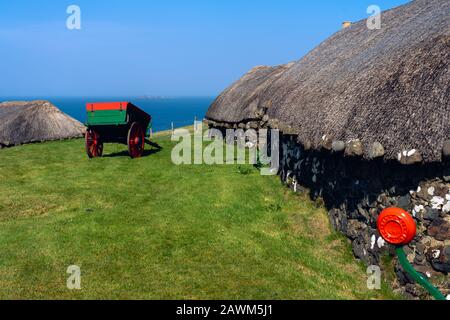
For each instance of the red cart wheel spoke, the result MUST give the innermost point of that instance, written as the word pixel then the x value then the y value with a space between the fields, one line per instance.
pixel 136 140
pixel 94 146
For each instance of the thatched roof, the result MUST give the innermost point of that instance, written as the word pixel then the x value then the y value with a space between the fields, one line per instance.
pixel 34 121
pixel 388 86
pixel 241 100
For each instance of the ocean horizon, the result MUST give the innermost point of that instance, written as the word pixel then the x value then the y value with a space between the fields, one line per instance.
pixel 181 111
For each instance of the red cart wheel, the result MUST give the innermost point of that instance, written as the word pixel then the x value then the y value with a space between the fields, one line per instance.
pixel 136 140
pixel 94 146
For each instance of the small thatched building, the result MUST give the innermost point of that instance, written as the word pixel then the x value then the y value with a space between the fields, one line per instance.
pixel 240 102
pixel 365 123
pixel 388 86
pixel 35 121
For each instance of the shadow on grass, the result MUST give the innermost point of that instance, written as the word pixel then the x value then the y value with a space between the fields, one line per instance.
pixel 155 149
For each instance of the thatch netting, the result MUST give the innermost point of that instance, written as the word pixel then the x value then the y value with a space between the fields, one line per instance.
pixel 389 86
pixel 34 121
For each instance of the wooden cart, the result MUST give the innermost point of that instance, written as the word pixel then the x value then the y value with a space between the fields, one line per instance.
pixel 116 122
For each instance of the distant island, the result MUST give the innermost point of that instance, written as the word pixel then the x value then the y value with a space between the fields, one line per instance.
pixel 151 97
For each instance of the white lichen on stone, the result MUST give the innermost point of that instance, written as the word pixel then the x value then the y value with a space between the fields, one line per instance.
pixel 373 240
pixel 381 242
pixel 406 154
pixel 436 254
pixel 446 207
pixel 418 209
pixel 437 202
pixel 410 153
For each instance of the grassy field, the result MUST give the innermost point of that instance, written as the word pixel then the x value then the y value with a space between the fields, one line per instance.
pixel 146 229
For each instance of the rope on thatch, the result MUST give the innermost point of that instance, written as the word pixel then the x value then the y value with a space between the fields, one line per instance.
pixel 388 86
pixel 35 121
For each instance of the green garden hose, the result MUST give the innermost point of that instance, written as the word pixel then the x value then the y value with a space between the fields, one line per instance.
pixel 419 278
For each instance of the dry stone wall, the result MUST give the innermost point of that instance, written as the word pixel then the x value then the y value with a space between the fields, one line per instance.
pixel 355 191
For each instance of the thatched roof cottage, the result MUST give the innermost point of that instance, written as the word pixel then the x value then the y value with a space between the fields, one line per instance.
pixel 35 121
pixel 365 123
pixel 388 86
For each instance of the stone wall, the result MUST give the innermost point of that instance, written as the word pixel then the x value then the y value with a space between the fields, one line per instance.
pixel 355 191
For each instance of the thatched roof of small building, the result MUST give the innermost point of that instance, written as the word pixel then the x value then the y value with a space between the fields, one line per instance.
pixel 387 86
pixel 34 121
pixel 240 102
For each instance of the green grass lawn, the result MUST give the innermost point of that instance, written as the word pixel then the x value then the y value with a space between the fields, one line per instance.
pixel 146 229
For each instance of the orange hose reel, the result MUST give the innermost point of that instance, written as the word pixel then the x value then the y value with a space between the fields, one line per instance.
pixel 396 226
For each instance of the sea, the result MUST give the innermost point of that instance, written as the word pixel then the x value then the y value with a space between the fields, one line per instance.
pixel 179 111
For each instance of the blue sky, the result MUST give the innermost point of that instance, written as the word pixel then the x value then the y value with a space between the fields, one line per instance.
pixel 158 47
